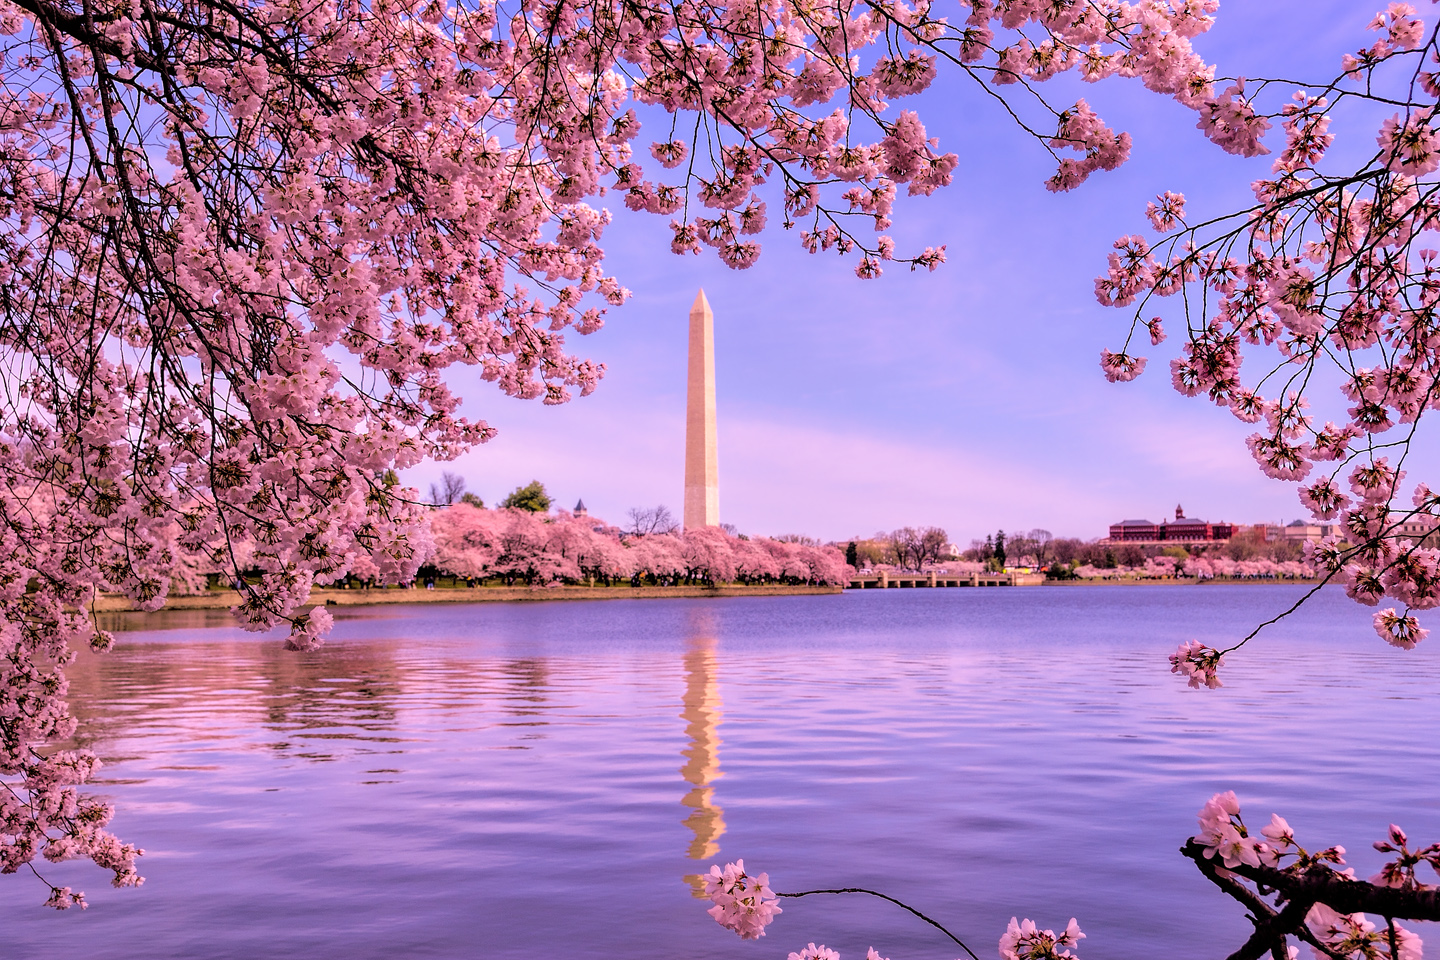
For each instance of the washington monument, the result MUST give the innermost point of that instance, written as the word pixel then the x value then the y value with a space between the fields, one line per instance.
pixel 702 470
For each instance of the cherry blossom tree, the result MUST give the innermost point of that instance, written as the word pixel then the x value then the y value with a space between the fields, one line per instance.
pixel 1324 293
pixel 467 540
pixel 604 558
pixel 594 546
pixel 753 563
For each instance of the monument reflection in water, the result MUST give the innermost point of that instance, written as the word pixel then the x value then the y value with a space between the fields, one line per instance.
pixel 701 714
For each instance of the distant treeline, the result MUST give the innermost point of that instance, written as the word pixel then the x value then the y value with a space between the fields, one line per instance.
pixel 909 548
pixel 1037 548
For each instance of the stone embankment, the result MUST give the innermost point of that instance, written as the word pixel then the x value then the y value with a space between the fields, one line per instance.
pixel 1152 581
pixel 224 599
pixel 885 580
pixel 893 580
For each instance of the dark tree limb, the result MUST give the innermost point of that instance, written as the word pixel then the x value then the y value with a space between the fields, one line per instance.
pixel 1320 884
pixel 1299 890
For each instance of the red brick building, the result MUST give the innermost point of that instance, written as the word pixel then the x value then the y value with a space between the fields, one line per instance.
pixel 1182 529
pixel 1135 531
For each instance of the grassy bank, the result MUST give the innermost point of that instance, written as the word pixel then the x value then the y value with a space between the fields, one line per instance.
pixel 224 599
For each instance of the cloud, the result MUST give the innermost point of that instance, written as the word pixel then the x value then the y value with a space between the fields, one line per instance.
pixel 785 477
pixel 786 472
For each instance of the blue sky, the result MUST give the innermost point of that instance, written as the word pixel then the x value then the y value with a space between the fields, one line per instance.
pixel 969 398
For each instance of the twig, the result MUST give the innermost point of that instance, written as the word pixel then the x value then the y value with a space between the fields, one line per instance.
pixel 898 903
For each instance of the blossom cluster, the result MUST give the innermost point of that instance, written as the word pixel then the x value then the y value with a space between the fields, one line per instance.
pixel 743 903
pixel 1400 872
pixel 1198 664
pixel 1224 836
pixel 1023 940
pixel 1355 935
pixel 822 952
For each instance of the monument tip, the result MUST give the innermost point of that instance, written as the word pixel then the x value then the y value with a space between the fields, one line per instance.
pixel 701 304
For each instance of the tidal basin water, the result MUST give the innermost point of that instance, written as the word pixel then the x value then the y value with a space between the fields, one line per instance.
pixel 540 780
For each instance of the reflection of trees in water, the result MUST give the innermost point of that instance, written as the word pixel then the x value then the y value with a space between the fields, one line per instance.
pixel 701 714
pixel 124 621
pixel 527 694
pixel 220 690
pixel 197 694
pixel 341 692
pixel 527 685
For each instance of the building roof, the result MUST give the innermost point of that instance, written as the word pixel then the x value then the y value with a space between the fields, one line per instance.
pixel 580 505
pixel 1135 523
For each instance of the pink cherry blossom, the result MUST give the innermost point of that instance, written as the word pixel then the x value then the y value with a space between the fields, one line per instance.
pixel 1022 940
pixel 1198 663
pixel 1402 631
pixel 813 952
pixel 1400 873
pixel 1254 871
pixel 1167 212
pixel 1120 367
pixel 1223 834
pixel 743 903
pixel 1354 935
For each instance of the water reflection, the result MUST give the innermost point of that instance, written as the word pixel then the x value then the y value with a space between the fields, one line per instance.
pixel 701 714
pixel 197 693
pixel 127 621
pixel 891 719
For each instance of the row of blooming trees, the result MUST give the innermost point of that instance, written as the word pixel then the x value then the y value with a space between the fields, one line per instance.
pixel 472 543
pixel 1201 568
pixel 1206 568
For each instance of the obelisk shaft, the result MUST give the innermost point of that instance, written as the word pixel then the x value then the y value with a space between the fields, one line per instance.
pixel 702 469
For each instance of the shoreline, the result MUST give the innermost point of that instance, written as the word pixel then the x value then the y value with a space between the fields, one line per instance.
pixel 225 599
pixel 1187 581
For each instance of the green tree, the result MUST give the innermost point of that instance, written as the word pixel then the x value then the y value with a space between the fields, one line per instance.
pixel 1000 549
pixel 473 500
pixel 852 555
pixel 530 497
